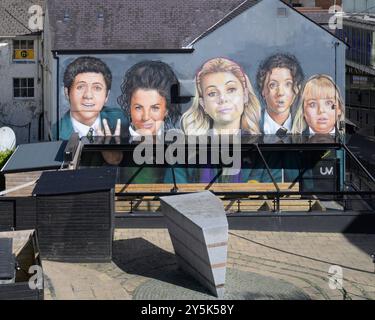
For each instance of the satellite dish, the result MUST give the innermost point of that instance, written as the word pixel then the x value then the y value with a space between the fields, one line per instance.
pixel 7 139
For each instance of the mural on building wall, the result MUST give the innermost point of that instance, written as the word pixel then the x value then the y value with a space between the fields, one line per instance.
pixel 225 100
pixel 279 102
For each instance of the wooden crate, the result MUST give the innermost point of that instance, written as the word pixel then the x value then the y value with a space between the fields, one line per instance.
pixel 75 215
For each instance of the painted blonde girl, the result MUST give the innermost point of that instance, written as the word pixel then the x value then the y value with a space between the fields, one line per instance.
pixel 224 101
pixel 321 107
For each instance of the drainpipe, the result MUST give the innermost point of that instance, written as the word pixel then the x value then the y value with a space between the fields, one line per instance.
pixel 57 58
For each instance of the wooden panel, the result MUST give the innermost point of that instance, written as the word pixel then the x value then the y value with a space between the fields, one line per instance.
pixel 13 180
pixel 76 227
pixel 6 215
pixel 230 206
pixel 218 187
pixel 26 216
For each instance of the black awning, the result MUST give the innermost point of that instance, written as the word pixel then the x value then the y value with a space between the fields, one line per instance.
pixel 75 181
pixel 36 156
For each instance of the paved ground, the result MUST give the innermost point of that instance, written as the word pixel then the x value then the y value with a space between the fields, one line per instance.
pixel 302 260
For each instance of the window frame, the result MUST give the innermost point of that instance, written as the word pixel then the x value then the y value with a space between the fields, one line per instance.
pixel 14 60
pixel 23 87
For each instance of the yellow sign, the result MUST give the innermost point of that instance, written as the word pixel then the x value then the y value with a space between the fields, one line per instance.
pixel 21 54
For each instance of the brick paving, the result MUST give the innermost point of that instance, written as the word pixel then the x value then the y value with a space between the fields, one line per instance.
pixel 301 259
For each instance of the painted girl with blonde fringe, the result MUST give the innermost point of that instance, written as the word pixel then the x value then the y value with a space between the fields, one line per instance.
pixel 321 107
pixel 224 101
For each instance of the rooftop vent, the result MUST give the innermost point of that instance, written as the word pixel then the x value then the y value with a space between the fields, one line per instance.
pixel 100 16
pixel 67 16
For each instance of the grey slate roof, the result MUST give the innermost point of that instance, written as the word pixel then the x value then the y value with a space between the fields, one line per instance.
pixel 14 17
pixel 129 24
pixel 139 24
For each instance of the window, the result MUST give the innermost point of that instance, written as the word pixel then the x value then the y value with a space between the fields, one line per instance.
pixel 281 12
pixel 359 80
pixel 23 88
pixel 23 51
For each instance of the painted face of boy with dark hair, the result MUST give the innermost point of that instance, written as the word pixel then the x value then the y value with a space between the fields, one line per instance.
pixel 87 96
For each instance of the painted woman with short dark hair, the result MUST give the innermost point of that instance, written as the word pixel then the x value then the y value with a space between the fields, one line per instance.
pixel 279 80
pixel 149 98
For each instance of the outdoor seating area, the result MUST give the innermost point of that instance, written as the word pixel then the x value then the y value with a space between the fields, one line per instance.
pixel 144 197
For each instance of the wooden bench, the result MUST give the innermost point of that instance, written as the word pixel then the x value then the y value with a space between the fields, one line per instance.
pixel 130 202
pixel 216 187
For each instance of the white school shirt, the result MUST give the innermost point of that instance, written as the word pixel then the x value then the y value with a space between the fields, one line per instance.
pixel 271 127
pixel 83 130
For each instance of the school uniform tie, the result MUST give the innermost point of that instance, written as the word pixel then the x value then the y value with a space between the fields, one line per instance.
pixel 281 132
pixel 90 134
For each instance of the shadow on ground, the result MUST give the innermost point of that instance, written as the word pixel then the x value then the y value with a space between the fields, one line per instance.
pixel 140 257
pixel 167 282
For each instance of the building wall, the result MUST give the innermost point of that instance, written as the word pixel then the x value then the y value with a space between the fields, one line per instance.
pixel 360 84
pixel 270 34
pixel 326 4
pixel 22 115
pixel 351 6
pixel 361 101
pixel 49 76
pixel 307 3
pixel 248 39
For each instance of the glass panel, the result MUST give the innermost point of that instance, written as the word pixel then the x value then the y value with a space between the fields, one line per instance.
pixel 16 83
pixel 30 82
pixel 23 44
pixel 23 92
pixel 30 44
pixel 16 44
pixel 24 82
pixel 30 92
pixel 16 93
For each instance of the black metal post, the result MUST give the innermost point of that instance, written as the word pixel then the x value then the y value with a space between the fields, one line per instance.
pixel 175 188
pixel 271 176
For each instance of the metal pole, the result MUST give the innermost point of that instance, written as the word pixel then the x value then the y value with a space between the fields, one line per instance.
pixel 267 168
pixel 272 178
pixel 175 188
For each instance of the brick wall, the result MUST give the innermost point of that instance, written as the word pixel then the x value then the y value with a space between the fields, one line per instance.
pixel 326 4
